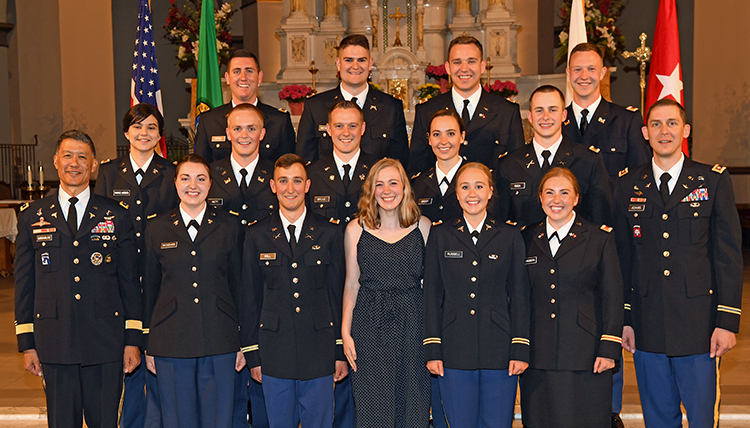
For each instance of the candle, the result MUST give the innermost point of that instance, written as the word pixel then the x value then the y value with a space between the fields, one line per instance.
pixel 41 175
pixel 28 171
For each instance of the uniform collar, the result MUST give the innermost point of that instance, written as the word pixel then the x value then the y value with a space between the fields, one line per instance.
pixel 297 224
pixel 340 163
pixel 553 150
pixel 145 164
pixel 674 172
pixel 592 108
pixel 199 218
pixel 562 232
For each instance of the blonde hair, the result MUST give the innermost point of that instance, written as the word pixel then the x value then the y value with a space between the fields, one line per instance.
pixel 560 172
pixel 369 213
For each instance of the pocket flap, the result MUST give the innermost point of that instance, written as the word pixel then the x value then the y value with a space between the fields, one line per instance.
pixel 319 257
pixel 323 319
pixel 269 320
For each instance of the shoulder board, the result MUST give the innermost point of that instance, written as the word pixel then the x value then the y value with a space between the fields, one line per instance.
pixel 105 161
pixel 174 163
pixel 415 175
pixel 512 223
pixel 151 216
pixel 594 149
pixel 623 172
pixel 334 220
pixel 233 212
pixel 124 205
pixel 512 100
pixel 718 168
pixel 435 223
pixel 631 108
pixel 282 110
pixel 252 222
pixel 606 228
pixel 504 154
pixel 24 206
pixel 308 163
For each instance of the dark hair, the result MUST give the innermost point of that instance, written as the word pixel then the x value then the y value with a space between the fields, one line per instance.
pixel 545 89
pixel 559 171
pixel 466 40
pixel 587 47
pixel 248 108
pixel 287 160
pixel 77 135
pixel 140 112
pixel 668 102
pixel 355 40
pixel 449 113
pixel 192 158
pixel 243 53
pixel 346 105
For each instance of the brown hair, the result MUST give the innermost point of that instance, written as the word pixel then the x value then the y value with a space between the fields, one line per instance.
pixel 447 112
pixel 346 105
pixel 192 158
pixel 369 214
pixel 668 102
pixel 544 89
pixel 243 53
pixel 587 47
pixel 466 40
pixel 248 108
pixel 287 160
pixel 355 40
pixel 559 171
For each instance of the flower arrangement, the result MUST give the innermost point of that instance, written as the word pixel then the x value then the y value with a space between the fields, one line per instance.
pixel 183 28
pixel 436 72
pixel 505 89
pixel 375 86
pixel 427 91
pixel 600 17
pixel 295 93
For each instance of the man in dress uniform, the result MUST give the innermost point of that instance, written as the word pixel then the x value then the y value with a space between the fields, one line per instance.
pixel 493 124
pixel 294 262
pixel 680 241
pixel 520 173
pixel 385 135
pixel 78 299
pixel 243 77
pixel 612 130
pixel 240 183
pixel 144 182
pixel 241 187
pixel 335 184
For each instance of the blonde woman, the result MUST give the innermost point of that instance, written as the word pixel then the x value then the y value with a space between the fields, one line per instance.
pixel 382 309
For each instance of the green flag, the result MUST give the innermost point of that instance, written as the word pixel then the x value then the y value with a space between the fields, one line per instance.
pixel 209 80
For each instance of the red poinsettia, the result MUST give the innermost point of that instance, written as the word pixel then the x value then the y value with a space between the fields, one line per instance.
pixel 295 93
pixel 505 89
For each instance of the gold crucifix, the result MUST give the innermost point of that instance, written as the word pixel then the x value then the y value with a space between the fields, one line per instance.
pixel 313 71
pixel 642 55
pixel 397 16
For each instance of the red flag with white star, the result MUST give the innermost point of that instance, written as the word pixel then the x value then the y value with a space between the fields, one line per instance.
pixel 665 75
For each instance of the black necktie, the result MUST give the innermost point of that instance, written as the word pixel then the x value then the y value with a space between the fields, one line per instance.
pixel 292 237
pixel 139 175
pixel 194 223
pixel 554 235
pixel 475 234
pixel 584 122
pixel 243 182
pixel 354 100
pixel 546 154
pixel 73 215
pixel 465 114
pixel 347 180
pixel 664 186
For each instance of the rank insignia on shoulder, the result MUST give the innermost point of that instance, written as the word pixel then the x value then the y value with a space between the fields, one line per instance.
pixel 435 223
pixel 594 149
pixel 606 228
pixel 623 172
pixel 233 212
pixel 718 168
pixel 631 108
pixel 415 175
pixel 105 161
pixel 151 216
pixel 512 223
pixel 282 110
pixel 124 205
pixel 26 205
pixel 502 155
pixel 252 222
pixel 334 220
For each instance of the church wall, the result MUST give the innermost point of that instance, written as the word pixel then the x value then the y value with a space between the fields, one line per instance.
pixel 528 36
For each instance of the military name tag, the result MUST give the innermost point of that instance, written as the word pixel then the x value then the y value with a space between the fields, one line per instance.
pixel 636 207
pixel 318 199
pixel 215 201
pixel 322 128
pixel 43 238
pixel 454 254
pixel 518 186
pixel 268 256
pixel 121 192
pixel 218 138
pixel 45 230
pixel 166 245
pixel 530 260
pixel 425 201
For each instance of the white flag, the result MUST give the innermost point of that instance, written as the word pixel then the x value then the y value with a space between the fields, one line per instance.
pixel 576 35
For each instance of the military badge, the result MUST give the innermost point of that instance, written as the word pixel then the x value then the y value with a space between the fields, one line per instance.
pixel 96 258
pixel 700 194
pixel 45 259
pixel 108 258
pixel 636 231
pixel 41 223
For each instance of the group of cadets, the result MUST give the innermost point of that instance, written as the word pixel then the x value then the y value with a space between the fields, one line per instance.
pixel 678 239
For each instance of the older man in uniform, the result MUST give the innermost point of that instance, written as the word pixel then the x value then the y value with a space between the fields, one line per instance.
pixel 294 262
pixel 493 124
pixel 386 127
pixel 243 76
pixel 680 242
pixel 78 299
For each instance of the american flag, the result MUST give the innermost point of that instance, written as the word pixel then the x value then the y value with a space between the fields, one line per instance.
pixel 144 85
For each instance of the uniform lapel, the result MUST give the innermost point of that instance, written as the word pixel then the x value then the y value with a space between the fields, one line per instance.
pixel 563 156
pixel 178 227
pixel 307 237
pixel 372 106
pixel 226 179
pixel 489 229
pixel 56 217
pixel 361 171
pixel 461 231
pixel 570 126
pixel 530 163
pixel 155 169
pixel 260 179
pixel 331 176
pixel 276 234
pixel 646 184
pixel 91 215
pixel 598 121
pixel 541 240
pixel 483 114
pixel 576 235
pixel 125 169
pixel 686 183
pixel 208 225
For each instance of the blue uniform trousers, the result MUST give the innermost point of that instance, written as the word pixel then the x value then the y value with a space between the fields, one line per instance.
pixel 196 392
pixel 291 401
pixel 478 398
pixel 436 404
pixel 140 410
pixel 245 388
pixel 664 382
pixel 343 404
pixel 618 379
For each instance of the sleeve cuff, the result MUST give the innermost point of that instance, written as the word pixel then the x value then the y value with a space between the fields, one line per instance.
pixel 519 349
